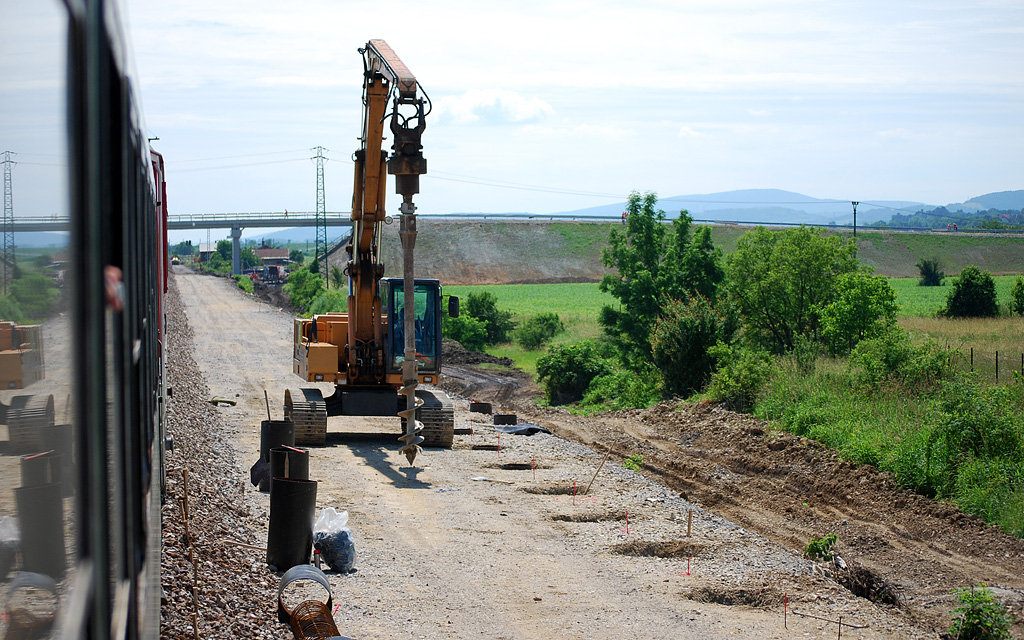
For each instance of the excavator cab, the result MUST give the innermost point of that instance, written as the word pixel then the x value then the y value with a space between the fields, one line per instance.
pixel 428 325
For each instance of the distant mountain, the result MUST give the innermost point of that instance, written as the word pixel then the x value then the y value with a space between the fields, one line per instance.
pixel 762 205
pixel 1002 200
pixel 40 239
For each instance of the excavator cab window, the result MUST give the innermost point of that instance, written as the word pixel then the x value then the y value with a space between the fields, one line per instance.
pixel 428 324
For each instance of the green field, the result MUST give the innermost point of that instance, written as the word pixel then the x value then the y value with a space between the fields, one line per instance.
pixel 918 302
pixel 577 304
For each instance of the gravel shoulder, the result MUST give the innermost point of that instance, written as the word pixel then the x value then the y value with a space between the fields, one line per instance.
pixel 487 539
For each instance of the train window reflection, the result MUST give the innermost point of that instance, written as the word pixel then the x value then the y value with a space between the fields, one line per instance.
pixel 37 459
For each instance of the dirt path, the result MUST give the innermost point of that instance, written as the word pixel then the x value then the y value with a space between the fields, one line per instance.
pixel 444 554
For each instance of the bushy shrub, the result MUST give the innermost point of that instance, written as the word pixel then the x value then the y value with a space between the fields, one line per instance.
pixel 622 389
pixel 974 421
pixel 979 616
pixel 742 373
pixel 35 295
pixel 536 331
pixel 973 295
pixel 329 301
pixel 931 272
pixel 303 286
pixel 1017 297
pixel 466 330
pixel 244 283
pixel 893 357
pixel 10 310
pixel 863 307
pixel 483 305
pixel 680 342
pixel 567 370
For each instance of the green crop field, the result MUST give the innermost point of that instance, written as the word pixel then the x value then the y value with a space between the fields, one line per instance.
pixel 577 304
pixel 924 302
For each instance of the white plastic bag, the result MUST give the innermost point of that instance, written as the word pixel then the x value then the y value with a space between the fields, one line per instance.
pixel 333 539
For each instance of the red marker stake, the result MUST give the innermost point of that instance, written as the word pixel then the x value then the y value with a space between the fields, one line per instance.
pixel 687 566
pixel 785 610
pixel 574 492
pixel 627 522
pixel 499 444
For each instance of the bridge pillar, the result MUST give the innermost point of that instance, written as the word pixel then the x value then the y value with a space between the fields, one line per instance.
pixel 236 250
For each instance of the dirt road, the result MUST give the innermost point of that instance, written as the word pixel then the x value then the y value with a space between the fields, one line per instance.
pixel 488 540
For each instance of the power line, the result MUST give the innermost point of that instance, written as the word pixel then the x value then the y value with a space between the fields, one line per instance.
pixel 234 166
pixel 248 155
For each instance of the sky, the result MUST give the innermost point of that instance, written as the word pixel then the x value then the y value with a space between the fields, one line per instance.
pixel 557 105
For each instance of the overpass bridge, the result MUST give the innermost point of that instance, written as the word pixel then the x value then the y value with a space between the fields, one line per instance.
pixel 185 221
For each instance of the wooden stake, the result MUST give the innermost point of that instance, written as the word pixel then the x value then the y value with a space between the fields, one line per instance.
pixel 689 521
pixel 267 398
pixel 599 467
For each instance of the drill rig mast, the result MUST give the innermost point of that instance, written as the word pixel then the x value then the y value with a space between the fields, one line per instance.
pixel 379 345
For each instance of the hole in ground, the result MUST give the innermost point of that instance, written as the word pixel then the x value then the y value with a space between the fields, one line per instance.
pixel 607 516
pixel 758 597
pixel 552 490
pixel 864 583
pixel 659 549
pixel 516 466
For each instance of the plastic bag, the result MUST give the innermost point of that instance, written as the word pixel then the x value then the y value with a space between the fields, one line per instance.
pixel 333 539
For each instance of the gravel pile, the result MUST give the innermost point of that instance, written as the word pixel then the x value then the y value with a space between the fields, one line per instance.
pixel 204 565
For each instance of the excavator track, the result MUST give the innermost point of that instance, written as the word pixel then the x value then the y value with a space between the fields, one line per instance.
pixel 26 416
pixel 437 415
pixel 308 410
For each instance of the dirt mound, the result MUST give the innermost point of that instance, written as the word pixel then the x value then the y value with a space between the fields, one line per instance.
pixel 453 352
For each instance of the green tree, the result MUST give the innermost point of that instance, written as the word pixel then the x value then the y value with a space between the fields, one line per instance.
pixel 483 305
pixel 863 307
pixel 35 294
pixel 337 277
pixel 302 287
pixel 973 295
pixel 779 280
pixel 248 258
pixel 568 369
pixel 654 263
pixel 931 272
pixel 680 342
pixel 295 255
pixel 183 248
pixel 224 249
pixel 1017 297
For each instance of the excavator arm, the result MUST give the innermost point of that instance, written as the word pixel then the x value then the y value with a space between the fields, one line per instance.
pixel 385 76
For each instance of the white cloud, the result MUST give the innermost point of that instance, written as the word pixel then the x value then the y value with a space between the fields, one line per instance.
pixel 492 106
pixel 687 131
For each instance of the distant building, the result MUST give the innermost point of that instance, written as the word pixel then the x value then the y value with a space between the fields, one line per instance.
pixel 270 256
pixel 206 249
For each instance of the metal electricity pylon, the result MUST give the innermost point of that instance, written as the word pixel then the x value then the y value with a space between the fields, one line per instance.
pixel 321 216
pixel 8 255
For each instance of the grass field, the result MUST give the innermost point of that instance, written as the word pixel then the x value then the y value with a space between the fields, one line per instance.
pixel 919 302
pixel 577 304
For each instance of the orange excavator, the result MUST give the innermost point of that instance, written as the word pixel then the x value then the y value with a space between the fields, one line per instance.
pixel 389 341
